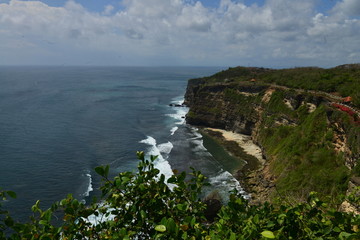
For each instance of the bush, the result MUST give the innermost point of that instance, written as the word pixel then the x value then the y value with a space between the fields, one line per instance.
pixel 144 205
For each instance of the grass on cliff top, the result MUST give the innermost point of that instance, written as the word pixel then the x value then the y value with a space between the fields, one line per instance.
pixel 243 105
pixel 304 159
pixel 343 79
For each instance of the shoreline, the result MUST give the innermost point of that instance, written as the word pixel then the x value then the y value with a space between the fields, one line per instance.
pixel 240 146
pixel 244 141
pixel 254 175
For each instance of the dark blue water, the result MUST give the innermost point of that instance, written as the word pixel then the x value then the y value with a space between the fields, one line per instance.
pixel 58 123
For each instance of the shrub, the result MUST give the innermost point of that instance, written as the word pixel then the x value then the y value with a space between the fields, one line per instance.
pixel 144 205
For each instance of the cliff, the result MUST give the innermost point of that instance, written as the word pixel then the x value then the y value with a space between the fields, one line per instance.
pixel 309 142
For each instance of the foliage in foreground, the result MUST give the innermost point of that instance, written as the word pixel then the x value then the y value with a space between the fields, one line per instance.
pixel 144 205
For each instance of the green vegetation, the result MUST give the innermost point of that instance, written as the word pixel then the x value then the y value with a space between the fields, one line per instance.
pixel 303 158
pixel 343 79
pixel 142 206
pixel 276 104
pixel 237 99
pixel 233 75
pixel 352 135
pixel 300 145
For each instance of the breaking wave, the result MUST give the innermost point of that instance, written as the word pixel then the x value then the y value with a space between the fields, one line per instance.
pixel 179 115
pixel 162 151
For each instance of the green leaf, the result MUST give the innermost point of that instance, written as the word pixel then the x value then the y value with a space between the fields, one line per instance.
pixel 163 221
pixel 268 234
pixel 100 170
pixel 143 214
pixel 106 171
pixel 160 228
pixel 43 222
pixel 125 179
pixel 142 187
pixel 181 207
pixel 9 222
pixel 172 179
pixel 256 219
pixel 153 158
pixel 192 222
pixel 47 215
pixel 11 194
pixel 270 224
pixel 35 207
pixel 171 225
pixel 344 235
pixel 140 155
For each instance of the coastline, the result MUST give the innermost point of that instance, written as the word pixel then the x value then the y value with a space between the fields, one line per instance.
pixel 240 146
pixel 244 141
pixel 254 174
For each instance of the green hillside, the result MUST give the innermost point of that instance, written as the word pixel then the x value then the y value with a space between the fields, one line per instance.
pixel 309 134
pixel 343 80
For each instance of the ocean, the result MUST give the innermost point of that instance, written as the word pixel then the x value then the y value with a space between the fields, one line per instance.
pixel 58 123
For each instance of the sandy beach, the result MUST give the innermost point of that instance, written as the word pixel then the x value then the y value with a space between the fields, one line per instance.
pixel 244 141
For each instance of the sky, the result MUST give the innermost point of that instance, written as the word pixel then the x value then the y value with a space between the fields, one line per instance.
pixel 262 33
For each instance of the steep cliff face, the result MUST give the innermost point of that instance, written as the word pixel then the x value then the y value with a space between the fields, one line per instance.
pixel 227 106
pixel 309 145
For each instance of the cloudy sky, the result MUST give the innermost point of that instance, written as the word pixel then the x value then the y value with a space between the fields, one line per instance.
pixel 269 33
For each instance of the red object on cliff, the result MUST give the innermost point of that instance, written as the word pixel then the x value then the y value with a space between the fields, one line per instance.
pixel 344 109
pixel 347 99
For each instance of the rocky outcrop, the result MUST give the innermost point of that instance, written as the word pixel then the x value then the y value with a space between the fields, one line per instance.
pixel 221 106
pixel 213 207
pixel 260 183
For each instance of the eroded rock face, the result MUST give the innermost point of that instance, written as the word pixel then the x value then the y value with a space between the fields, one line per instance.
pixel 353 207
pixel 261 183
pixel 217 106
pixel 248 108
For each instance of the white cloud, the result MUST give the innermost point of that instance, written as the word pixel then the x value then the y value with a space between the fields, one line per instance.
pixel 280 32
pixel 194 17
pixel 108 9
pixel 347 8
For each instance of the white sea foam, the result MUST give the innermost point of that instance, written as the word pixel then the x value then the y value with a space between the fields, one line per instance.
pixel 199 145
pixel 165 148
pixel 179 114
pixel 160 163
pixel 89 185
pixel 195 132
pixel 160 150
pixel 149 141
pixel 173 130
pixel 223 181
pixel 100 218
pixel 198 141
pixel 178 100
pixel 226 182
